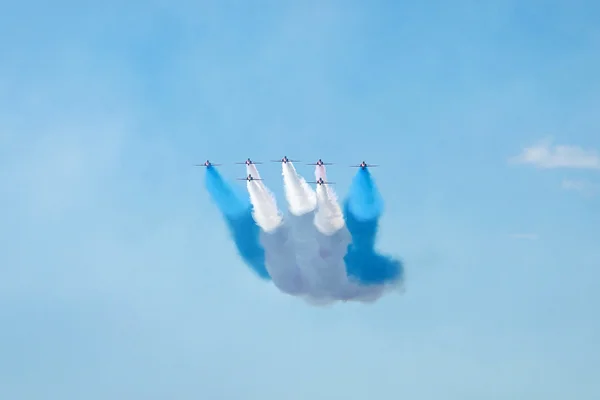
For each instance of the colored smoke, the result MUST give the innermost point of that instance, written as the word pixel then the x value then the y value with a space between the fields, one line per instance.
pixel 363 209
pixel 316 251
pixel 237 212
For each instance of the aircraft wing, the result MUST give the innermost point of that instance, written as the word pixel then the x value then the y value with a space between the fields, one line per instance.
pixel 252 162
pixel 324 183
pixel 368 165
pixel 325 163
pixel 204 165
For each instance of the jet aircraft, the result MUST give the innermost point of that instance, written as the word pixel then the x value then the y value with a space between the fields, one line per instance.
pixel 285 160
pixel 207 164
pixel 249 162
pixel 320 181
pixel 320 162
pixel 249 178
pixel 364 165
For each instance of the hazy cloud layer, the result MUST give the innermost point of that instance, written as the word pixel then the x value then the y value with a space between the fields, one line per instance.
pixel 547 155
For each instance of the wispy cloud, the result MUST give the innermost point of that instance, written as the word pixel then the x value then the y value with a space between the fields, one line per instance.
pixel 524 236
pixel 579 185
pixel 546 155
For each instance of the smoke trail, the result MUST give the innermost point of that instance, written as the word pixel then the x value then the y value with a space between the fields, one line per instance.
pixel 331 219
pixel 319 252
pixel 300 197
pixel 332 235
pixel 266 214
pixel 275 237
pixel 237 212
pixel 363 209
pixel 302 204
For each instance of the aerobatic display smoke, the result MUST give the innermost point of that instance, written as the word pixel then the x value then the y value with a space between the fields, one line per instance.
pixel 237 212
pixel 318 250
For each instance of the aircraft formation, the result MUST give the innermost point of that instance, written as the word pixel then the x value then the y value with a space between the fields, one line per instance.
pixel 285 160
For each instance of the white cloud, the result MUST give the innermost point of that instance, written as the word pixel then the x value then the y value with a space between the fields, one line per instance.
pixel 524 236
pixel 545 155
pixel 579 185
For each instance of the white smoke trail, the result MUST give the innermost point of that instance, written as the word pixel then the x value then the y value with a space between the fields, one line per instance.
pixel 335 238
pixel 275 237
pixel 300 197
pixel 281 263
pixel 302 204
pixel 321 239
pixel 329 217
pixel 252 170
pixel 306 257
pixel 332 235
pixel 266 213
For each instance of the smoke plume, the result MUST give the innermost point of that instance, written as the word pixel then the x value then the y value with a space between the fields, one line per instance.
pixel 319 250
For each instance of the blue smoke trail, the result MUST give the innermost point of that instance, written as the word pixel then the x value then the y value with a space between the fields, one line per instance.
pixel 362 211
pixel 237 212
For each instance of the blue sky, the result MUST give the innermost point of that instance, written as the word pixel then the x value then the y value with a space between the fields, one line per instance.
pixel 117 276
